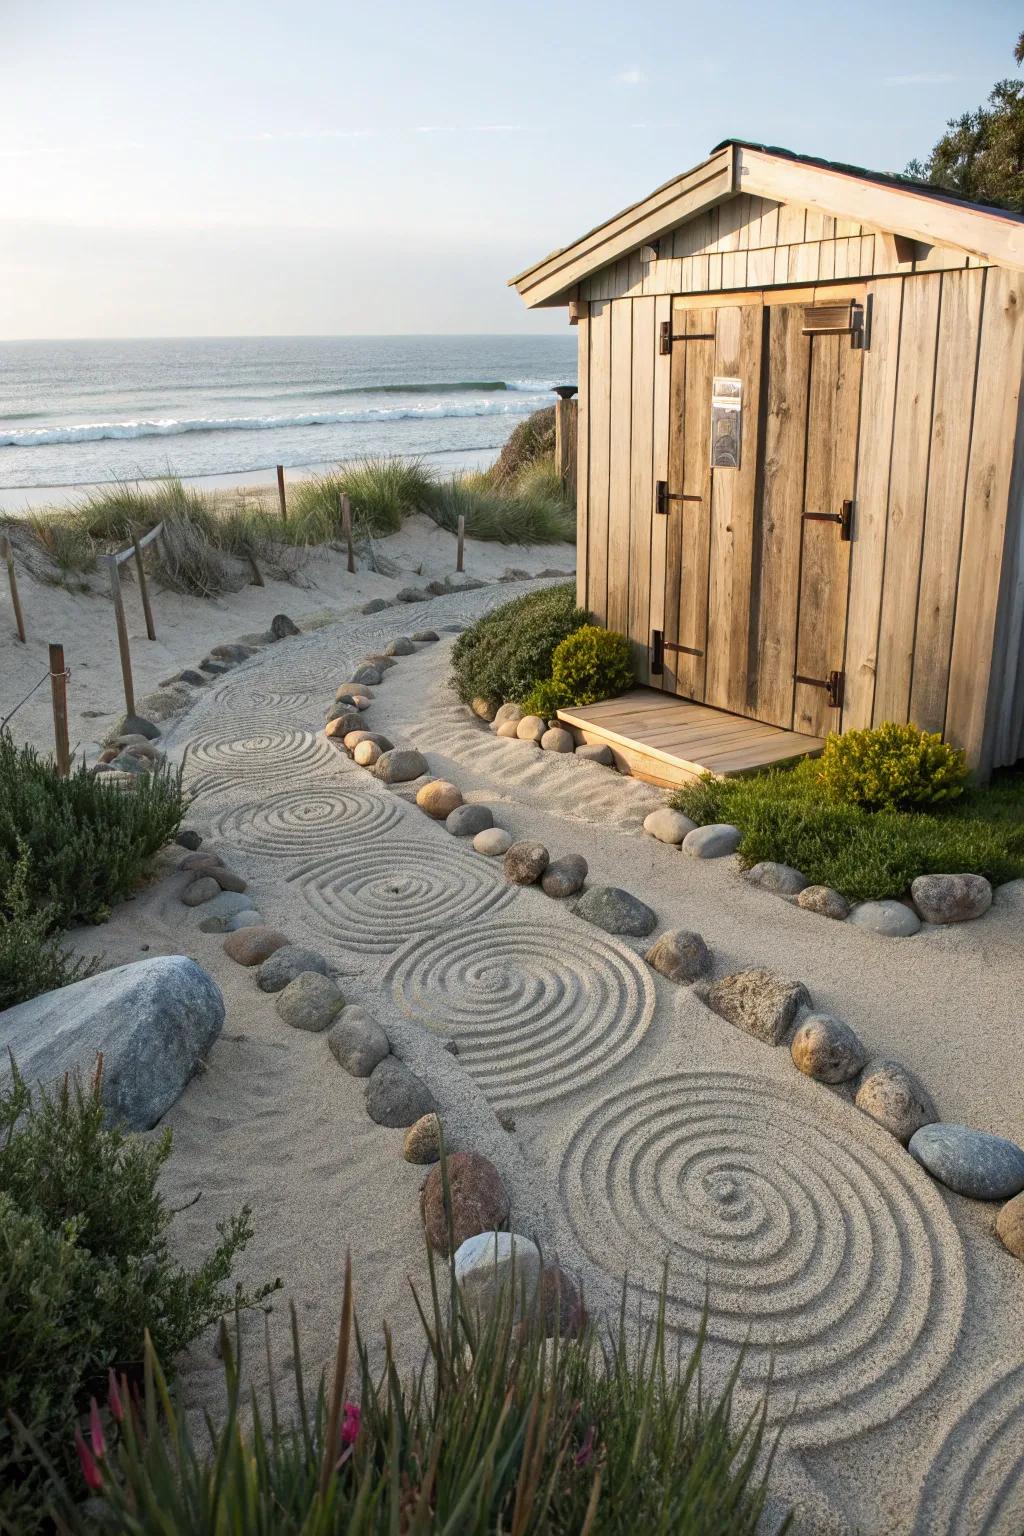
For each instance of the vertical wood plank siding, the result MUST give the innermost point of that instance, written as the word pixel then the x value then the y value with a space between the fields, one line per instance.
pixel 935 616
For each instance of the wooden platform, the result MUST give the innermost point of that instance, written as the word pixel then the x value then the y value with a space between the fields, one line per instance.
pixel 670 741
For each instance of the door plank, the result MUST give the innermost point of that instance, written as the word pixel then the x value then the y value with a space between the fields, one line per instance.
pixel 662 428
pixel 600 419
pixel 583 457
pixel 619 466
pixel 694 517
pixel 641 489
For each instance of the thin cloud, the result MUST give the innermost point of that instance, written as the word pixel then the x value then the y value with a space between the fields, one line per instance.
pixel 290 134
pixel 631 76
pixel 923 78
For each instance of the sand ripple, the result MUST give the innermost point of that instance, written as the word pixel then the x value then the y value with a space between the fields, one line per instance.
pixel 976 1482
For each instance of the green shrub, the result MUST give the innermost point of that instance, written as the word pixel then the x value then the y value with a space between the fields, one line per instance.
pixel 501 1429
pixel 787 815
pixel 592 664
pixel 544 699
pixel 530 441
pixel 31 959
pixel 895 767
pixel 85 844
pixel 508 652
pixel 84 1273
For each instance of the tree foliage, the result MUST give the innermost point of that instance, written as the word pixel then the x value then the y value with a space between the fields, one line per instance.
pixel 981 154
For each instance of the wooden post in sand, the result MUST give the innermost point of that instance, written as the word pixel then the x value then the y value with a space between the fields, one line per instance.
pixel 122 634
pixel 143 588
pixel 566 419
pixel 59 690
pixel 280 493
pixel 461 549
pixel 346 528
pixel 8 555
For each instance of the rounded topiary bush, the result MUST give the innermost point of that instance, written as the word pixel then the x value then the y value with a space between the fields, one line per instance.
pixel 592 664
pixel 508 652
pixel 892 767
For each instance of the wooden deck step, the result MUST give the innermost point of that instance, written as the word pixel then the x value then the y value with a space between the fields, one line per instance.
pixel 670 741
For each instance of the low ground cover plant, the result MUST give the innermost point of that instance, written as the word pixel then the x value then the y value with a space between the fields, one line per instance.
pixel 892 767
pixel 508 652
pixel 590 664
pixel 793 816
pixel 501 1429
pixel 85 1277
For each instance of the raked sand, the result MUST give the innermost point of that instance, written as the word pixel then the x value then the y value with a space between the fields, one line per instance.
pixel 645 1126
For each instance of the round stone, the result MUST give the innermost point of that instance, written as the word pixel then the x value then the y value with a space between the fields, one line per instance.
pixel 560 1304
pixel 357 1042
pixel 667 825
pixel 894 1097
pixel 400 765
pixel 202 860
pixel 951 898
pixel 425 636
pixel 556 739
pixel 401 646
pixel 227 880
pixel 712 842
pixel 616 911
pixel 508 729
pixel 248 919
pixel 564 877
pixel 351 693
pixel 1010 1226
pixel 439 798
pixel 287 962
pixel 680 955
pixel 758 1001
pixel 525 863
pixel 509 714
pixel 889 919
pixel 531 728
pixel 342 725
pixel 478 1202
pixel 367 674
pixel 483 709
pixel 200 890
pixel 218 912
pixel 827 1049
pixel 596 752
pixel 422 1142
pixel 468 820
pixel 969 1162
pixel 781 879
pixel 252 946
pixel 353 738
pixel 310 1002
pixel 825 901
pixel 493 841
pixel 489 1264
pixel 374 605
pixel 395 1096
pixel 367 753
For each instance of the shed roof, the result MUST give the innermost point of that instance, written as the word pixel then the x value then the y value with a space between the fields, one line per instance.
pixel 895 204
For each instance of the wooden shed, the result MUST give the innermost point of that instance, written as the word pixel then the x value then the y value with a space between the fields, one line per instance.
pixel 800 460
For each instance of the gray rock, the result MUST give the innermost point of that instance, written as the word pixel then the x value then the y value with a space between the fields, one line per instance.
pixel 890 919
pixel 357 1041
pixel 493 841
pixel 468 820
pixel 400 765
pixel 226 878
pixel 191 676
pixel 231 652
pixel 596 752
pixel 310 1002
pixel 225 905
pixel 525 863
pixel 510 712
pixel 401 646
pixel 425 636
pixel 668 826
pixel 894 1097
pixel 1010 1226
pixel 951 898
pixel 189 838
pixel 367 674
pixel 250 918
pixel 153 1022
pixel 827 1049
pixel 782 879
pixel 136 725
pixel 971 1163
pixel 214 668
pixel 680 955
pixel 128 762
pixel 281 626
pixel 825 901
pixel 453 629
pixel 557 739
pixel 375 605
pixel 395 1096
pixel 285 964
pixel 379 660
pixel 757 1001
pixel 489 1264
pixel 616 911
pixel 411 595
pixel 712 842
pixel 200 891
pixel 564 877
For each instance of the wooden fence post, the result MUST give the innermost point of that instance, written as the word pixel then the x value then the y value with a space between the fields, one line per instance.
pixel 8 555
pixel 566 419
pixel 143 589
pixel 59 690
pixel 460 551
pixel 122 634
pixel 280 493
pixel 346 528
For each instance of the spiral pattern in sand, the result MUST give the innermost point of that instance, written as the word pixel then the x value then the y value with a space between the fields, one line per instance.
pixel 976 1482
pixel 816 1242
pixel 318 819
pixel 373 899
pixel 537 1012
pixel 263 757
pixel 245 700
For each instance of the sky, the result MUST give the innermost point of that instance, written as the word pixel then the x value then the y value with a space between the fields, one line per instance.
pixel 206 167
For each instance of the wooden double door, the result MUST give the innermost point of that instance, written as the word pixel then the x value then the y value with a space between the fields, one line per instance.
pixel 760 506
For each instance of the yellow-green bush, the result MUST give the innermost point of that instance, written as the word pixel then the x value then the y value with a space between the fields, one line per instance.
pixel 590 664
pixel 892 767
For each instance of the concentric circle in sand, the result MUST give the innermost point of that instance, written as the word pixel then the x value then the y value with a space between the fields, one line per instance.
pixel 537 1012
pixel 263 757
pixel 316 819
pixel 976 1481
pixel 833 1262
pixel 373 899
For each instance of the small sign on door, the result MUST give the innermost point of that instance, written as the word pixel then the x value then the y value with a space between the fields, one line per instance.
pixel 726 422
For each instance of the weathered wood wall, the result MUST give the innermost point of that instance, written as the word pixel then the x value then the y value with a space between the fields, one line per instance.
pixel 936 568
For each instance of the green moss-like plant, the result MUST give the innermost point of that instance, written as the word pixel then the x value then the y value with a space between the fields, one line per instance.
pixel 508 652
pixel 892 767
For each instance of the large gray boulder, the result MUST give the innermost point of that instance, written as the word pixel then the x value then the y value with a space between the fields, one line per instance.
pixel 152 1021
pixel 951 898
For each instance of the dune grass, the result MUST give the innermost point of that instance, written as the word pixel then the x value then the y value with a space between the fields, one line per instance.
pixel 382 492
pixel 530 509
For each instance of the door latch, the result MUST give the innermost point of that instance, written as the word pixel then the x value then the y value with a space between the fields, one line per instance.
pixel 662 497
pixel 834 686
pixel 843 518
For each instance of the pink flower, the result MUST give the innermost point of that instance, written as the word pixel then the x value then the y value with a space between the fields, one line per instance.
pixel 114 1402
pixel 90 1469
pixel 99 1444
pixel 351 1415
pixel 586 1450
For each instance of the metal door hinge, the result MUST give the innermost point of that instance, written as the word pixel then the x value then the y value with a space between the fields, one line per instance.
pixel 843 518
pixel 834 686
pixel 662 497
pixel 657 652
pixel 666 337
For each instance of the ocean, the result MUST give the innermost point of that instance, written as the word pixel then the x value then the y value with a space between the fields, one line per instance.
pixel 77 413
